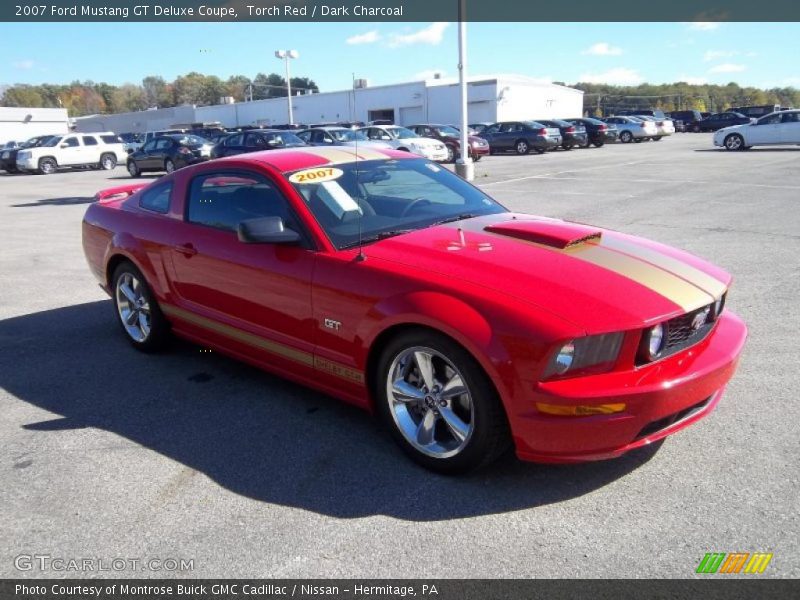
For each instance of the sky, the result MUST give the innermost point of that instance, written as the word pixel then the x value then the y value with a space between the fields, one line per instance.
pixel 757 54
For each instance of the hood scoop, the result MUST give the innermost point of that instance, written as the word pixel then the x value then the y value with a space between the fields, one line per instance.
pixel 557 234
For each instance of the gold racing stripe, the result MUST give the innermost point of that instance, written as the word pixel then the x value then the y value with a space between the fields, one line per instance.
pixel 336 156
pixel 282 350
pixel 686 271
pixel 679 291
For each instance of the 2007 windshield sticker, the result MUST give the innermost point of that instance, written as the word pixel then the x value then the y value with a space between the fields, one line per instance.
pixel 318 175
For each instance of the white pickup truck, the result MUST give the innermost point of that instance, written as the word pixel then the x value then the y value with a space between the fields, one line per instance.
pixel 101 150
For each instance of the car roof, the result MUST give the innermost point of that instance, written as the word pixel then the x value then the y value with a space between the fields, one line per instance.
pixel 307 157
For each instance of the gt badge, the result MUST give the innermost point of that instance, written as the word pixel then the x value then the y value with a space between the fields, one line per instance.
pixel 331 324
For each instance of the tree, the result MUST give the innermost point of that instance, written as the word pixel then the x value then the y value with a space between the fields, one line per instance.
pixel 23 96
pixel 303 84
pixel 128 98
pixel 235 86
pixel 156 92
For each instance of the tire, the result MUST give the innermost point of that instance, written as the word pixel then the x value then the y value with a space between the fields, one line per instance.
pixel 169 166
pixel 657 138
pixel 477 157
pixel 734 142
pixel 599 144
pixel 47 166
pixel 567 146
pixel 133 169
pixel 477 415
pixel 150 329
pixel 626 137
pixel 522 147
pixel 639 140
pixel 451 154
pixel 108 161
pixel 541 150
pixel 695 128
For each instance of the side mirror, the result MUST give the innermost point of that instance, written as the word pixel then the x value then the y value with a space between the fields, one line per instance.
pixel 266 230
pixel 64 146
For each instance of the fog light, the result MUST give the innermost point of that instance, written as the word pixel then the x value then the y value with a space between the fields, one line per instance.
pixel 655 342
pixel 564 358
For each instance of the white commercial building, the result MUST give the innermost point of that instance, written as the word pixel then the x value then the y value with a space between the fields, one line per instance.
pixel 490 99
pixel 20 124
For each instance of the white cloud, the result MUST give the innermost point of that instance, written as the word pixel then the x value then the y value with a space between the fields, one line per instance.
pixel 370 37
pixel 24 64
pixel 429 73
pixel 727 68
pixel 716 54
pixel 618 76
pixel 431 35
pixel 703 25
pixel 603 49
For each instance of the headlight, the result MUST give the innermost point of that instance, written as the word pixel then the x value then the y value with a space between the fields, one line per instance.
pixel 655 341
pixel 6 154
pixel 594 353
pixel 23 155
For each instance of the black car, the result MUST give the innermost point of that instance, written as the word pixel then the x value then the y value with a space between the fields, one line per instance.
pixel 8 157
pixel 572 134
pixel 685 119
pixel 521 137
pixel 255 140
pixel 599 133
pixel 168 153
pixel 720 120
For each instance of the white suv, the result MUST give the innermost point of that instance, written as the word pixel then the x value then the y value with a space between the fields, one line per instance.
pixel 98 150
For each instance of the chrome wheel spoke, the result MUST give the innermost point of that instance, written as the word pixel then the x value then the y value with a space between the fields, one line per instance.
pixel 424 362
pixel 457 427
pixel 130 318
pixel 402 391
pixel 128 293
pixel 144 325
pixel 426 429
pixel 453 388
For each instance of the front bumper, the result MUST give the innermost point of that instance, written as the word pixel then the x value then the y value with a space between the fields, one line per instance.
pixel 27 164
pixel 434 154
pixel 661 399
pixel 478 150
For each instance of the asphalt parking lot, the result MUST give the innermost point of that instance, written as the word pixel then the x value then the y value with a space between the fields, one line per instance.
pixel 109 453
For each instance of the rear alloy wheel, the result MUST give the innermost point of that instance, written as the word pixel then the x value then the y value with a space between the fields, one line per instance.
pixel 133 169
pixel 108 162
pixel 734 142
pixel 626 137
pixel 440 406
pixel 522 147
pixel 48 166
pixel 137 310
pixel 169 166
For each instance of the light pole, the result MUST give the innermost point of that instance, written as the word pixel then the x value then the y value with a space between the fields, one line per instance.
pixel 285 55
pixel 464 166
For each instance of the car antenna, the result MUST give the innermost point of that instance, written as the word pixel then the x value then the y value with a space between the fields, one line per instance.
pixel 360 257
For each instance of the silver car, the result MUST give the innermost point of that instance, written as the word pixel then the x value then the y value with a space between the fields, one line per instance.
pixel 401 138
pixel 633 129
pixel 338 136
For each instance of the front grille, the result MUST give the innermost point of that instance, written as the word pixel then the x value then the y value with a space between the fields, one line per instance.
pixel 670 420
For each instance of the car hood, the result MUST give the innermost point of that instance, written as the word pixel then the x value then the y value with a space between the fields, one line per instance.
pixel 597 279
pixel 421 141
pixel 731 128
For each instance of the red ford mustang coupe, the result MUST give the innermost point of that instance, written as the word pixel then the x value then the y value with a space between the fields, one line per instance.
pixel 383 279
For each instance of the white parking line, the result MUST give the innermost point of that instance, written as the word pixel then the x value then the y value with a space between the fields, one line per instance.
pixel 676 181
pixel 546 175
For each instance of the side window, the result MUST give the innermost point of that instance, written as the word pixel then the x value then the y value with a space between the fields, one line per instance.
pixel 89 140
pixel 254 140
pixel 491 129
pixel 157 198
pixel 771 119
pixel 163 143
pixel 235 140
pixel 109 139
pixel 70 142
pixel 317 136
pixel 149 146
pixel 223 200
pixel 791 117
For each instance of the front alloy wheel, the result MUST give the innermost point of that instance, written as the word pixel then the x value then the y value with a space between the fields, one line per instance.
pixel 734 142
pixel 441 407
pixel 522 147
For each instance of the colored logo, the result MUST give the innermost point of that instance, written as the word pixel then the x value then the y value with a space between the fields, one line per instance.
pixel 734 562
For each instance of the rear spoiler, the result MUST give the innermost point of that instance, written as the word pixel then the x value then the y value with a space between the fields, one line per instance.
pixel 118 193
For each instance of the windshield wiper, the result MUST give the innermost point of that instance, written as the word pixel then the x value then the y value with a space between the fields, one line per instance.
pixel 381 235
pixel 454 218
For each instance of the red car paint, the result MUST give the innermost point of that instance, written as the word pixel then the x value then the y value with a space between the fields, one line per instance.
pixel 510 288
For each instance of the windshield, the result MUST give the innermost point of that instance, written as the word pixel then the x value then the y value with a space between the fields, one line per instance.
pixel 52 142
pixel 386 197
pixel 401 133
pixel 191 140
pixel 447 131
pixel 348 135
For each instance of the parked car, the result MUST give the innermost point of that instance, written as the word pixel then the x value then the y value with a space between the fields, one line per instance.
pixel 100 150
pixel 451 138
pixel 365 280
pixel 776 129
pixel 478 128
pixel 720 120
pixel 755 111
pixel 685 119
pixel 522 137
pixel 8 157
pixel 132 141
pixel 168 153
pixel 664 127
pixel 572 134
pixel 338 136
pixel 160 133
pixel 657 113
pixel 599 133
pixel 402 138
pixel 255 140
pixel 632 129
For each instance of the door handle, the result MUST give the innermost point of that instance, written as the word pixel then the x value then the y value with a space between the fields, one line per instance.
pixel 186 249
